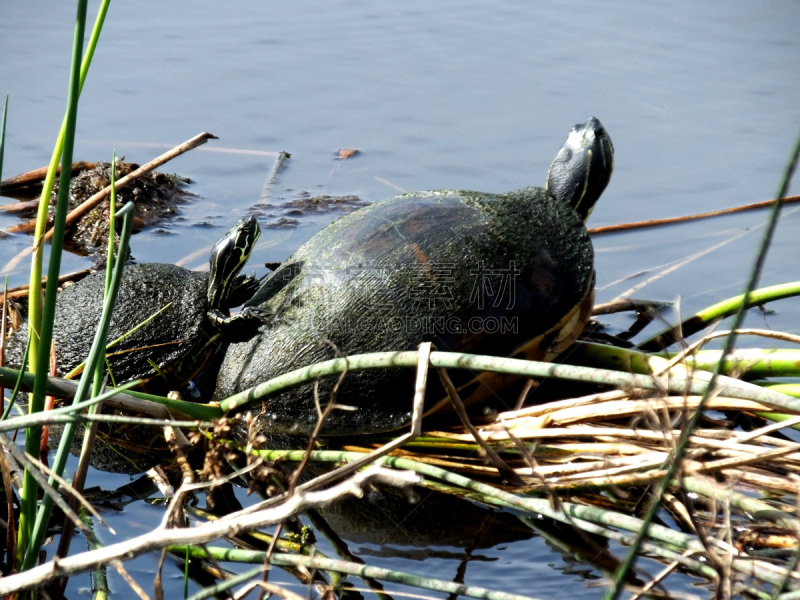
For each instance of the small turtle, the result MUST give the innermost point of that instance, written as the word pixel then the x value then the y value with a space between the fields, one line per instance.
pixel 169 350
pixel 502 274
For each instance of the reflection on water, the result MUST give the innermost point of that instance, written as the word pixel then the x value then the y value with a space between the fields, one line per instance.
pixel 700 100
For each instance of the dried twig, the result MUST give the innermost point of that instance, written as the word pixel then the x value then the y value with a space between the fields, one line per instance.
pixel 11 538
pixel 36 468
pixel 491 455
pixel 161 537
pixel 37 176
pixel 21 291
pixel 716 213
pixel 322 416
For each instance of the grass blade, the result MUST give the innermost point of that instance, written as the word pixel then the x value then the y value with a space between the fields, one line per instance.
pixel 3 136
pixel 34 301
pixel 40 352
pixel 97 350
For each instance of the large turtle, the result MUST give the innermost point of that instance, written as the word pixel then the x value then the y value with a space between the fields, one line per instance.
pixel 169 350
pixel 502 274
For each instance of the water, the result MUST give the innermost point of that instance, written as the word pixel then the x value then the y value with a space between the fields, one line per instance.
pixel 699 98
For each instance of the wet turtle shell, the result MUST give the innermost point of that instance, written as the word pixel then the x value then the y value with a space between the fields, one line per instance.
pixel 146 288
pixel 169 350
pixel 452 267
pixel 501 274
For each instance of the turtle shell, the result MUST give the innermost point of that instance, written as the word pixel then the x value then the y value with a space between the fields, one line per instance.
pixel 505 274
pixel 145 289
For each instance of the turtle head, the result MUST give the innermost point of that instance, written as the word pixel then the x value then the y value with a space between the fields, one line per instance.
pixel 228 257
pixel 582 168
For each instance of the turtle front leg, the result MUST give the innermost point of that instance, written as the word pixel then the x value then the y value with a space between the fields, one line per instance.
pixel 242 290
pixel 249 315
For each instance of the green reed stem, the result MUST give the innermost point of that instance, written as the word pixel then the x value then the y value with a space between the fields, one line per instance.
pixel 99 577
pixel 3 135
pixel 717 312
pixel 17 381
pixel 41 355
pixel 44 417
pixel 226 584
pixel 97 383
pixel 619 358
pixel 95 355
pixel 34 300
pixel 751 362
pixel 527 368
pixel 64 388
pixel 341 566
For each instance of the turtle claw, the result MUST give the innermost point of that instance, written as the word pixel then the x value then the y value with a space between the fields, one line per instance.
pixel 256 313
pixel 245 321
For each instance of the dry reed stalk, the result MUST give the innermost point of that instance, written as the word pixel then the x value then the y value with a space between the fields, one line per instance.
pixel 474 463
pixel 604 448
pixel 760 482
pixel 618 456
pixel 597 468
pixel 531 427
pixel 37 176
pixel 740 449
pixel 631 408
pixel 22 291
pixel 645 463
pixel 726 463
pixel 543 409
pixel 620 481
pixel 573 431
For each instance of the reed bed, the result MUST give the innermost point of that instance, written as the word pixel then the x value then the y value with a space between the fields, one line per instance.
pixel 679 459
pixel 615 439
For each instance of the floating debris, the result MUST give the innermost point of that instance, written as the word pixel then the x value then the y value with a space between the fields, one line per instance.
pixel 345 153
pixel 287 213
pixel 156 196
pixel 282 223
